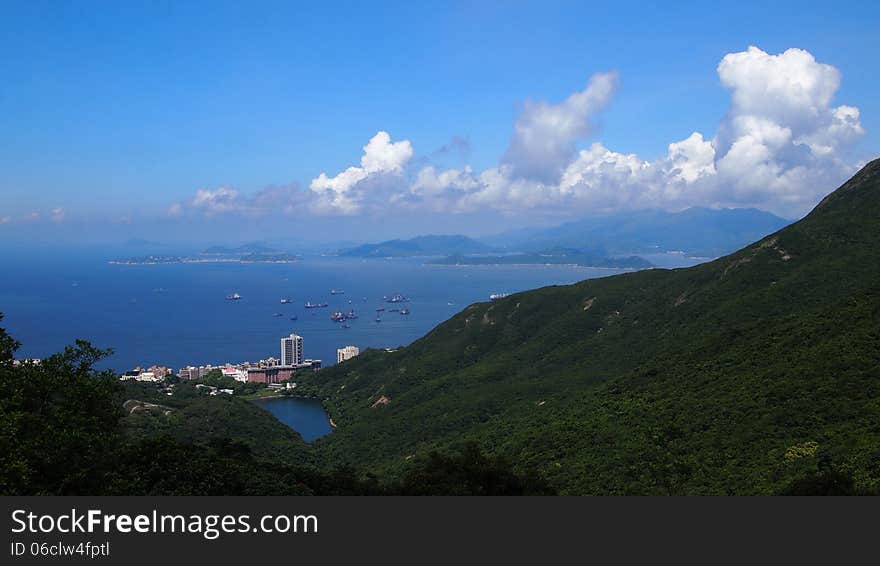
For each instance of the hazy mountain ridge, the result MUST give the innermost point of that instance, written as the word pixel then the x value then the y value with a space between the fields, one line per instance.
pixel 555 256
pixel 244 249
pixel 754 373
pixel 431 245
pixel 697 231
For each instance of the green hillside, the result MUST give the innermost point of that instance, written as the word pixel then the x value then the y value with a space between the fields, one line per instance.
pixel 756 373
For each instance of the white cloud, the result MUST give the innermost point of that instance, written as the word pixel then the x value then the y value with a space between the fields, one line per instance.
pixel 216 201
pixel 545 134
pixel 344 192
pixel 431 183
pixel 691 159
pixel 210 202
pixel 779 147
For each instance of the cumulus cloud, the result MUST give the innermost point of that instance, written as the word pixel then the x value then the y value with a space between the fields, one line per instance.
pixel 545 134
pixel 382 162
pixel 779 147
pixel 216 201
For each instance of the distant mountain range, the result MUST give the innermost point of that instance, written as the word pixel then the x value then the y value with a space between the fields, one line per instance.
pixel 695 231
pixel 420 246
pixel 555 256
pixel 244 249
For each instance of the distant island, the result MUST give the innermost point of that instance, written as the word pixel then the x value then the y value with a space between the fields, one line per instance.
pixel 420 246
pixel 253 252
pixel 246 258
pixel 548 257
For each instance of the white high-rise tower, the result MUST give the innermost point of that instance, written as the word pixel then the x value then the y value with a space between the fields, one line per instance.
pixel 292 350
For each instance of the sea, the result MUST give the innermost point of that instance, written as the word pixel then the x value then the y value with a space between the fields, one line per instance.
pixel 177 315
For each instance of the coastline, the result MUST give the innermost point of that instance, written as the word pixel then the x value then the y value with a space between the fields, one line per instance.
pixel 200 260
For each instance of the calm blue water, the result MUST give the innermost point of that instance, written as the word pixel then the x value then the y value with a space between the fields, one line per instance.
pixel 305 416
pixel 177 315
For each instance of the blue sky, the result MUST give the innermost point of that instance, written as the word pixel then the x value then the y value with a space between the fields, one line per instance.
pixel 117 111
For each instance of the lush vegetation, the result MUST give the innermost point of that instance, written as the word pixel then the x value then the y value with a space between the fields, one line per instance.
pixel 757 373
pixel 68 429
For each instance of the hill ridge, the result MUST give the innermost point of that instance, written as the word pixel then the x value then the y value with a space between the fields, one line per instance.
pixel 696 380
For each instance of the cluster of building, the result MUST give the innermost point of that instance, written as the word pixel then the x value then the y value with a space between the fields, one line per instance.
pixel 152 373
pixel 269 371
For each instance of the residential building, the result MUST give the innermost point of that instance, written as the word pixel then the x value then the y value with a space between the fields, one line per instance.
pixel 291 350
pixel 346 353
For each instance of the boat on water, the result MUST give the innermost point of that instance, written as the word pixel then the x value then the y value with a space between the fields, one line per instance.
pixel 396 298
pixel 294 317
pixel 233 297
pixel 380 309
pixel 378 319
pixel 497 296
pixel 337 292
pixel 277 314
pixel 339 316
pixel 404 311
pixel 286 301
pixel 311 305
